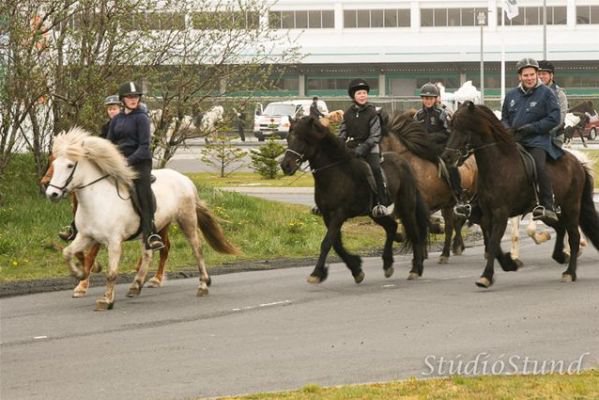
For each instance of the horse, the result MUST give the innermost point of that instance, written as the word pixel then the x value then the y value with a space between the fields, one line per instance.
pixel 574 125
pixel 208 121
pixel 342 191
pixel 97 172
pixel 408 138
pixel 88 258
pixel 504 189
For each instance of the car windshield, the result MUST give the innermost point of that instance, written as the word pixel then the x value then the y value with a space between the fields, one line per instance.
pixel 280 109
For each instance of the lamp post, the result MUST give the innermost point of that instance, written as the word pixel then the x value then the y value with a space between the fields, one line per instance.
pixel 481 19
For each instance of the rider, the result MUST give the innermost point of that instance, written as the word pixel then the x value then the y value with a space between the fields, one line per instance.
pixel 113 107
pixel 546 75
pixel 531 109
pixel 314 111
pixel 436 119
pixel 361 125
pixel 130 131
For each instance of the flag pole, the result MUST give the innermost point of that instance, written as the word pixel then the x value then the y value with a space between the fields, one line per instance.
pixel 502 53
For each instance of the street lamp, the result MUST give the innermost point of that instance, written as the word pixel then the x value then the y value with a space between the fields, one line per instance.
pixel 481 19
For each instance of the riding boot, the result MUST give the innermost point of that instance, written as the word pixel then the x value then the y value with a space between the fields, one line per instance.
pixel 380 209
pixel 461 209
pixel 68 233
pixel 545 211
pixel 152 241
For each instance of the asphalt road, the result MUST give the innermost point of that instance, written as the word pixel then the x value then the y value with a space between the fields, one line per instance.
pixel 270 330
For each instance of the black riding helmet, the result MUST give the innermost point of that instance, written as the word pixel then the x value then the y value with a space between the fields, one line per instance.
pixel 545 65
pixel 357 84
pixel 429 89
pixel 130 88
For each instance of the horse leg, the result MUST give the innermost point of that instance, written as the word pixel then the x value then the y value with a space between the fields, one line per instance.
pixel 569 275
pixel 114 256
pixel 495 229
pixel 448 231
pixel 458 245
pixel 70 255
pixel 333 224
pixel 140 278
pixel 158 279
pixel 88 261
pixel 390 226
pixel 190 229
pixel 537 237
pixel 353 262
pixel 560 254
pixel 515 225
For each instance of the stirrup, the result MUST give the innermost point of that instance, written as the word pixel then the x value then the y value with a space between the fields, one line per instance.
pixel 154 242
pixel 380 211
pixel 462 210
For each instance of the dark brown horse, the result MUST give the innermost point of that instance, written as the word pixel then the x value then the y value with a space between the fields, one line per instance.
pixel 504 189
pixel 342 191
pixel 423 150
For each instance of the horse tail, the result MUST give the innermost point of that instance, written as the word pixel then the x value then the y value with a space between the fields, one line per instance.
pixel 212 231
pixel 589 219
pixel 411 208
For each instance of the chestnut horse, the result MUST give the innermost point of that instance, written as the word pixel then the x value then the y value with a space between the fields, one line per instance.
pixel 88 258
pixel 504 189
pixel 422 150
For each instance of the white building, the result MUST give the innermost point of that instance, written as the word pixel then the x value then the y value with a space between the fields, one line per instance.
pixel 398 45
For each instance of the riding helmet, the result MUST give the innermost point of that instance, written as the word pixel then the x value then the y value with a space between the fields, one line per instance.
pixel 357 84
pixel 527 62
pixel 112 100
pixel 429 89
pixel 545 65
pixel 130 88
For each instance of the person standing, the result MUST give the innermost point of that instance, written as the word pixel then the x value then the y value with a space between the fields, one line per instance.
pixel 314 110
pixel 435 119
pixel 361 125
pixel 547 76
pixel 531 110
pixel 130 131
pixel 240 122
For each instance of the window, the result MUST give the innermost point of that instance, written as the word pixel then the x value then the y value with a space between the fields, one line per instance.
pixel 223 20
pixel 534 16
pixel 301 19
pixel 449 16
pixel 386 18
pixel 587 14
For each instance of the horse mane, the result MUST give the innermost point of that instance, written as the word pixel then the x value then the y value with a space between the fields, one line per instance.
pixel 314 131
pixel 584 107
pixel 412 135
pixel 462 120
pixel 78 144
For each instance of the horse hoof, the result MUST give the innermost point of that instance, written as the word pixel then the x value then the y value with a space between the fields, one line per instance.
pixel 103 305
pixel 443 260
pixel 314 280
pixel 359 278
pixel 413 276
pixel 567 278
pixel 519 263
pixel 77 294
pixel 484 283
pixel 202 292
pixel 389 272
pixel 154 283
pixel 133 292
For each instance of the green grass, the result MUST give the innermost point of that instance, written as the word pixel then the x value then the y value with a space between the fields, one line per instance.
pixel 581 386
pixel 30 249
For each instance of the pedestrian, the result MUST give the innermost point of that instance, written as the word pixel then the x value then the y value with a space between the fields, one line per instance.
pixel 314 110
pixel 531 111
pixel 547 76
pixel 361 129
pixel 240 122
pixel 435 120
pixel 130 131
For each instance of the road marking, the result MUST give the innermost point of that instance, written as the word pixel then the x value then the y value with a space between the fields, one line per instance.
pixel 274 303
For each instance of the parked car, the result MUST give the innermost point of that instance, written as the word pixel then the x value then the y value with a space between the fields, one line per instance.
pixel 592 127
pixel 274 120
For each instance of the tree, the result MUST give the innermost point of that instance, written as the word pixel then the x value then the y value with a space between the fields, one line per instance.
pixel 264 160
pixel 223 154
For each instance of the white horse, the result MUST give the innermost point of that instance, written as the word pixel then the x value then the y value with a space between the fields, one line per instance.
pixel 210 119
pixel 95 169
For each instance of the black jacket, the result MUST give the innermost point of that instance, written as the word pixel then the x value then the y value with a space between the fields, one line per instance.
pixel 131 133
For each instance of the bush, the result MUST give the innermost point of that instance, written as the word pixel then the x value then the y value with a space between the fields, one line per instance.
pixel 264 160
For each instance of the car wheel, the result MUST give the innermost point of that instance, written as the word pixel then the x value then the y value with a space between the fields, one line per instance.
pixel 259 136
pixel 593 134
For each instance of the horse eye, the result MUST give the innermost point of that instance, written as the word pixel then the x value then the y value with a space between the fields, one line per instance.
pixel 69 166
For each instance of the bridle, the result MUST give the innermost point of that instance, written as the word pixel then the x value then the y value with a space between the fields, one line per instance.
pixel 465 152
pixel 64 189
pixel 301 158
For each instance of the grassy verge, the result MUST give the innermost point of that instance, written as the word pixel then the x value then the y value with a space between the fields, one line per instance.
pixel 549 387
pixel 30 249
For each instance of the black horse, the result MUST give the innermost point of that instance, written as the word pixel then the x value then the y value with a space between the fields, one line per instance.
pixel 342 191
pixel 504 188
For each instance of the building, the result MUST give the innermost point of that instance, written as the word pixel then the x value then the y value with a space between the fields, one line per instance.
pixel 398 45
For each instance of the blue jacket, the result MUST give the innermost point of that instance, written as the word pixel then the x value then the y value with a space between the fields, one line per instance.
pixel 537 107
pixel 131 133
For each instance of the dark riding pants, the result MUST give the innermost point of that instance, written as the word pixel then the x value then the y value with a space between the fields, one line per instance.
pixel 455 181
pixel 144 195
pixel 545 189
pixel 374 160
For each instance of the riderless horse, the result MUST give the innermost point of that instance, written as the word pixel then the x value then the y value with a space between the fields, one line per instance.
pixel 94 168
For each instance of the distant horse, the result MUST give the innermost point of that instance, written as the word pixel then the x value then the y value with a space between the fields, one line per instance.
pixel 574 125
pixel 342 191
pixel 408 139
pixel 504 189
pixel 95 169
pixel 208 121
pixel 88 258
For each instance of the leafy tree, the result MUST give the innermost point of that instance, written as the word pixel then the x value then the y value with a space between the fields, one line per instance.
pixel 223 154
pixel 264 160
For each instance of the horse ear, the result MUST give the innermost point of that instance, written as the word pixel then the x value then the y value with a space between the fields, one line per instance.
pixel 470 106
